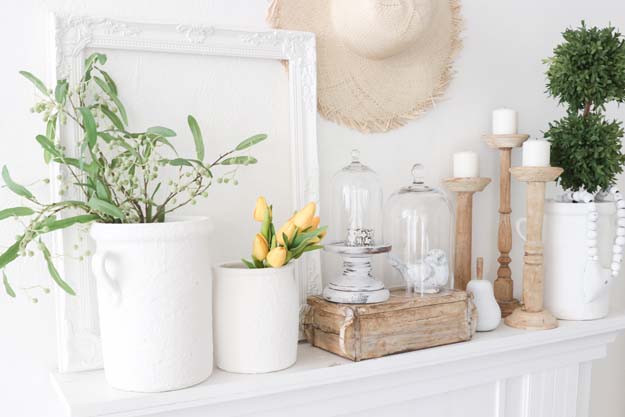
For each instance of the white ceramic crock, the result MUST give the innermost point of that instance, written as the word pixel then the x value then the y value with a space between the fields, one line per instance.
pixel 154 297
pixel 256 318
pixel 570 290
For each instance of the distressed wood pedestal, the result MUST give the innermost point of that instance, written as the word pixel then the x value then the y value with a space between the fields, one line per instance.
pixel 532 315
pixel 504 286
pixel 465 188
pixel 503 373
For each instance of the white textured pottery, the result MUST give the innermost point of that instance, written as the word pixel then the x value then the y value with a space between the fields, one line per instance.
pixel 256 318
pixel 154 299
pixel 488 311
pixel 576 288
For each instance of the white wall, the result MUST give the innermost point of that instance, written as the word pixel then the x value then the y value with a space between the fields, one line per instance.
pixel 500 64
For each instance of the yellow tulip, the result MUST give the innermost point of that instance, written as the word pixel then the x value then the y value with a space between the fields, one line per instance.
pixel 260 247
pixel 314 224
pixel 260 209
pixel 288 229
pixel 276 257
pixel 304 217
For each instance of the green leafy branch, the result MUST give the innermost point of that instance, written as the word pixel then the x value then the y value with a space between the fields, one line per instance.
pixel 114 174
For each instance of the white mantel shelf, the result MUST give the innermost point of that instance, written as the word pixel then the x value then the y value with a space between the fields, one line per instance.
pixel 506 372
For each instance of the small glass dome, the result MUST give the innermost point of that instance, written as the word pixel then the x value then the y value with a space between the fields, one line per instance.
pixel 418 223
pixel 356 205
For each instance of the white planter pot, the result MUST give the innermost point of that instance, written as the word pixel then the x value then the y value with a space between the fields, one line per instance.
pixel 154 297
pixel 575 287
pixel 256 318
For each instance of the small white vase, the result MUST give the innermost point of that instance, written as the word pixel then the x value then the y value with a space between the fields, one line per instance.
pixel 488 311
pixel 256 318
pixel 576 288
pixel 154 299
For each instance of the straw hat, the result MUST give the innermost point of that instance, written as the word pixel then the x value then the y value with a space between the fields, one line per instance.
pixel 380 63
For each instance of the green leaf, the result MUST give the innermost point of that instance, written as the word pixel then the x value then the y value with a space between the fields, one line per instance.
pixel 239 160
pixel 178 162
pixel 60 92
pixel 105 87
pixel 102 190
pixel 48 146
pixel 251 141
pixel 197 137
pixel 11 253
pixel 249 264
pixel 88 121
pixel 15 187
pixel 96 56
pixel 161 131
pixel 36 82
pixel 165 142
pixel 16 211
pixel 109 81
pixel 54 224
pixel 112 117
pixel 53 272
pixel 7 286
pixel 106 208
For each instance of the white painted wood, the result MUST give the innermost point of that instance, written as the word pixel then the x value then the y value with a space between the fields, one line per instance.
pixel 504 373
pixel 79 345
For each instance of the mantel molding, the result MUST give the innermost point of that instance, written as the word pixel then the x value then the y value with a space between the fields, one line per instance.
pixel 503 364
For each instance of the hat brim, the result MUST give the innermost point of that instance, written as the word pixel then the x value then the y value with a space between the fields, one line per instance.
pixel 375 95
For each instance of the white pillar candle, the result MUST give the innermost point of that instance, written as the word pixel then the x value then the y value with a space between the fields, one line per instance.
pixel 466 165
pixel 536 153
pixel 504 122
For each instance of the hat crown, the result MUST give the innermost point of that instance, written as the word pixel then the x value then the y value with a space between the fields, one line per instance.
pixel 379 29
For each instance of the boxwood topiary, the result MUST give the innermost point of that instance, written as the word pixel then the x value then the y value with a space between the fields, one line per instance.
pixel 586 72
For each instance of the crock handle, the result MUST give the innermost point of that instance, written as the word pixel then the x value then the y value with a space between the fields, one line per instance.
pixel 99 267
pixel 517 226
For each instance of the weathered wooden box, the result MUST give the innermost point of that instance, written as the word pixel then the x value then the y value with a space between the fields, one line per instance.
pixel 401 324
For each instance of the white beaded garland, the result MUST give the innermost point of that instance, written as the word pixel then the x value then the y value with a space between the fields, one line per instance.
pixel 591 227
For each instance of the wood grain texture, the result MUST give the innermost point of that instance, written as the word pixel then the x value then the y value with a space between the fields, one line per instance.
pixel 465 188
pixel 403 323
pixel 532 315
pixel 505 141
pixel 504 286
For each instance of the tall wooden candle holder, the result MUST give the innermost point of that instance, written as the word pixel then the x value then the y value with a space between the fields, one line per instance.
pixel 465 187
pixel 504 285
pixel 531 315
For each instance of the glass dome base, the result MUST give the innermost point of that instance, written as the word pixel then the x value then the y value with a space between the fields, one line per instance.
pixel 356 285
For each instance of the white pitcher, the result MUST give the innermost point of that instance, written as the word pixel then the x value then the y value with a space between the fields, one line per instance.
pixel 576 287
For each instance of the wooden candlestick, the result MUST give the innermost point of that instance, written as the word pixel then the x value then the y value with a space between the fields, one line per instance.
pixel 465 187
pixel 531 315
pixel 504 286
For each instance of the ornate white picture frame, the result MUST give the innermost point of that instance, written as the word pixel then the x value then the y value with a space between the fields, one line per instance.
pixel 77 318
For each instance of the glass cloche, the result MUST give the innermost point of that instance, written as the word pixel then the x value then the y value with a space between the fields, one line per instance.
pixel 356 234
pixel 418 223
pixel 356 204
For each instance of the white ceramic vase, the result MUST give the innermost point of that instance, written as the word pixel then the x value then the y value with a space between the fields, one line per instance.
pixel 577 288
pixel 256 318
pixel 154 298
